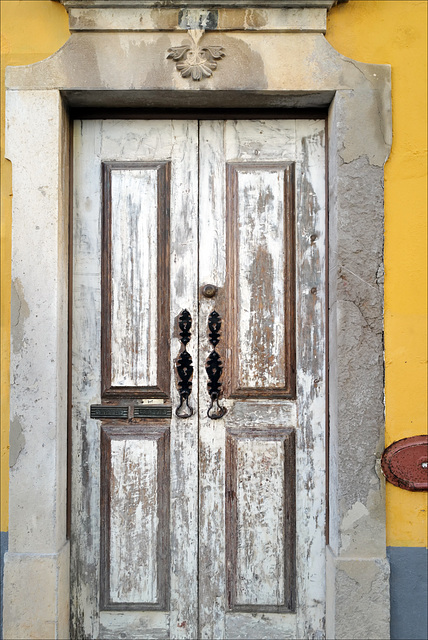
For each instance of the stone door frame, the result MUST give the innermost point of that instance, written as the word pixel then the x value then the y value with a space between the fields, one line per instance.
pixel 125 66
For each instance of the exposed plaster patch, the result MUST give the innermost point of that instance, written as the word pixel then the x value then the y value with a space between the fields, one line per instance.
pixel 370 138
pixel 197 19
pixel 370 323
pixel 362 572
pixel 380 275
pixel 357 511
pixel 358 529
pixel 17 441
pixel 254 19
pixel 20 311
pixel 362 606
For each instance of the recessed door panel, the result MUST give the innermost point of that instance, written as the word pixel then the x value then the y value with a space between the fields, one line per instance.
pixel 260 519
pixel 134 517
pixel 135 287
pixel 261 285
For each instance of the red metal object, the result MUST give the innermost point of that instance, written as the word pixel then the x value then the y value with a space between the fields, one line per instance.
pixel 405 463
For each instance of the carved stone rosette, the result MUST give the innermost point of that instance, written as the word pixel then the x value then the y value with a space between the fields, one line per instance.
pixel 194 61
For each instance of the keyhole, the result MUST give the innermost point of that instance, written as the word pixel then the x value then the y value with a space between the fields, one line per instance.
pixel 209 291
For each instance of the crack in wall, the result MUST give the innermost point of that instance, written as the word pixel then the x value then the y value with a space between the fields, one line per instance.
pixel 17 441
pixel 20 311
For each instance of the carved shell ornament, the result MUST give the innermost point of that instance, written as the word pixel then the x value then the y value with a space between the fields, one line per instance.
pixel 195 61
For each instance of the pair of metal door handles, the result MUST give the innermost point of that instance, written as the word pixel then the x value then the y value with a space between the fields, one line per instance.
pixel 213 366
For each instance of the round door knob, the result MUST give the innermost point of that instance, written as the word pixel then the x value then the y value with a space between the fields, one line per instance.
pixel 209 291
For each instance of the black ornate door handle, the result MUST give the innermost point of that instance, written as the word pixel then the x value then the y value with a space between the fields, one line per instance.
pixel 214 368
pixel 184 366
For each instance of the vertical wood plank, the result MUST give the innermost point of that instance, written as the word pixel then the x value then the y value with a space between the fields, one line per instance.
pixel 212 270
pixel 311 374
pixel 184 432
pixel 86 376
pixel 99 142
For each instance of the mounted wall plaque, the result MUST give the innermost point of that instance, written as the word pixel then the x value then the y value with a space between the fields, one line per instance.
pixel 405 463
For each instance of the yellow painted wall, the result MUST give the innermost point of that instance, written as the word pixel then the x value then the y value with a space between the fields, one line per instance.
pixel 395 32
pixel 378 31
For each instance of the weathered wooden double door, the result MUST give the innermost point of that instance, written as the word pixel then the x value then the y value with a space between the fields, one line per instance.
pixel 198 429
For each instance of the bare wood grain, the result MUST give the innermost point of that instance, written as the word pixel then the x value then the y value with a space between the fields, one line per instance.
pixel 86 376
pixel 184 433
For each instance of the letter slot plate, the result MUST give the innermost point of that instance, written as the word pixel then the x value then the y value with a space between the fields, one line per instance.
pixel 101 412
pixel 152 411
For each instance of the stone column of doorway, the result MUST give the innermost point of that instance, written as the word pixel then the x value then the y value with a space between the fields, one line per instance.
pixel 36 565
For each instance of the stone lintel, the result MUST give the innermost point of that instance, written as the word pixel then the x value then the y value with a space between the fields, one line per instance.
pixel 165 4
pixel 286 20
pixel 144 15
